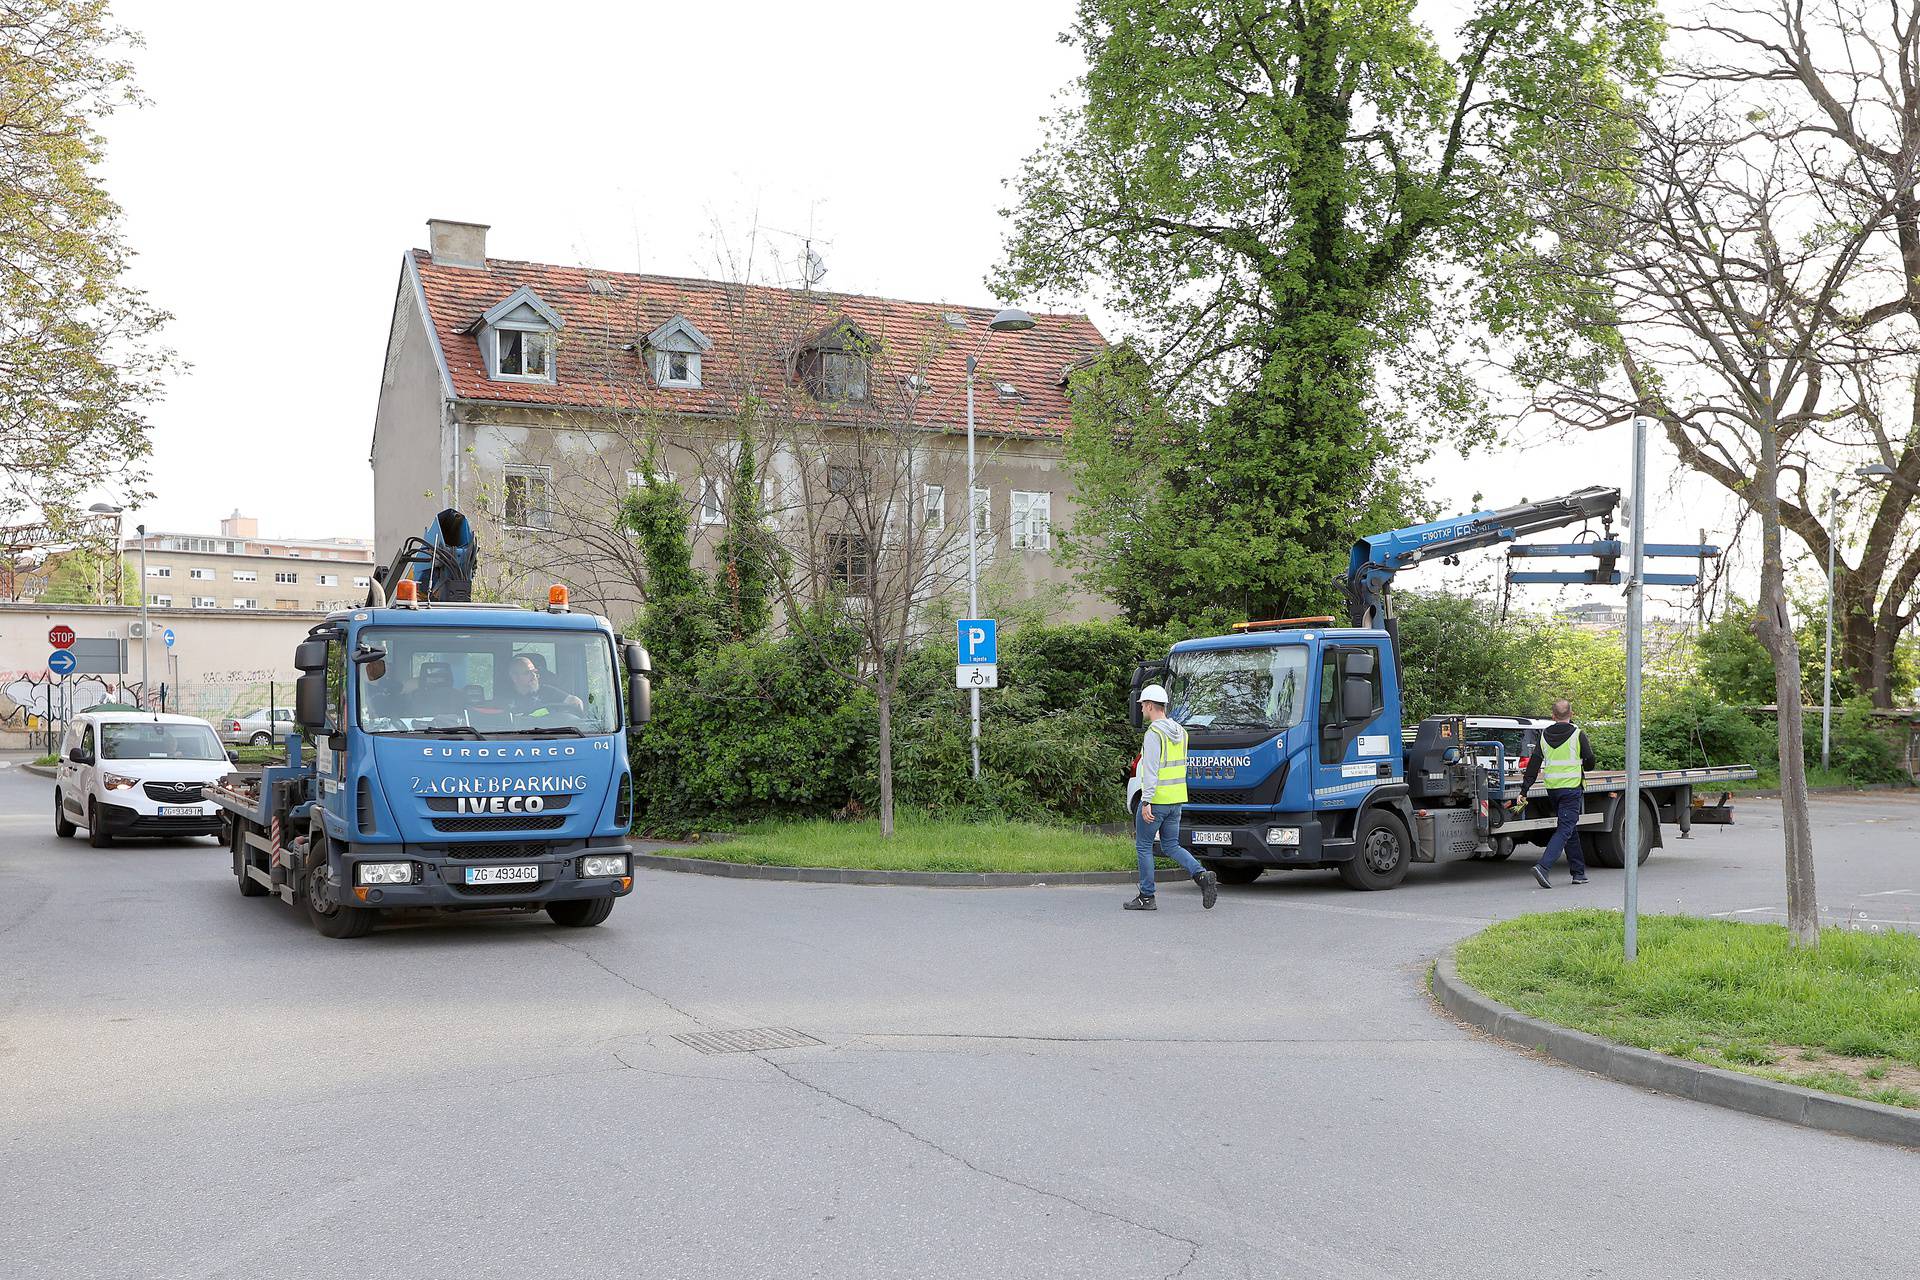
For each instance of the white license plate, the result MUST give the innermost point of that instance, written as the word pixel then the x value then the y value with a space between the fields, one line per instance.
pixel 1210 837
pixel 179 810
pixel 503 875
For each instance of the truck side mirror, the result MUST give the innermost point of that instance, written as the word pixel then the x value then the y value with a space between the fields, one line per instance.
pixel 639 665
pixel 310 655
pixel 1144 674
pixel 310 698
pixel 1356 699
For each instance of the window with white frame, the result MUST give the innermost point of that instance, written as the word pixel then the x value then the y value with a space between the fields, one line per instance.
pixel 205 602
pixel 983 513
pixel 161 602
pixel 522 353
pixel 363 583
pixel 200 575
pixel 713 509
pixel 286 575
pixel 526 494
pixel 159 571
pixel 935 500
pixel 245 575
pixel 1032 520
pixel 517 338
pixel 246 602
pixel 328 580
pixel 674 351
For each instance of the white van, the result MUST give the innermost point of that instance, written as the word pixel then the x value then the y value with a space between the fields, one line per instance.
pixel 137 773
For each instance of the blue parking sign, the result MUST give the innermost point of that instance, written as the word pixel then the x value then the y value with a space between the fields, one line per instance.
pixel 979 641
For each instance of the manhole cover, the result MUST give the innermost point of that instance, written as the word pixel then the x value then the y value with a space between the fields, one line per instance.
pixel 752 1040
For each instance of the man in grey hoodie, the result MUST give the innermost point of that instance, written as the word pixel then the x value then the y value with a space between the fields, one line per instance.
pixel 1163 789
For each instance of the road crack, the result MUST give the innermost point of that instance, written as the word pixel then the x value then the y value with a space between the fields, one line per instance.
pixel 645 991
pixel 1193 1246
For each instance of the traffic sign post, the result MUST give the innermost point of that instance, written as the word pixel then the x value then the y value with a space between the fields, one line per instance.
pixel 61 636
pixel 978 642
pixel 61 662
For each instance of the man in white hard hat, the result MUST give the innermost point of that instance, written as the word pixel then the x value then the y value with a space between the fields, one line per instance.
pixel 1163 789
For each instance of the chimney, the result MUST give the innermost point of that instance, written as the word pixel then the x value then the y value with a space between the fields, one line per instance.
pixel 239 526
pixel 457 244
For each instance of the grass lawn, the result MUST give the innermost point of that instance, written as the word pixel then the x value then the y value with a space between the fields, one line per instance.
pixel 921 844
pixel 1843 1017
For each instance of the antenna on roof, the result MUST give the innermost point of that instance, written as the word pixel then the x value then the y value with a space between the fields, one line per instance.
pixel 813 268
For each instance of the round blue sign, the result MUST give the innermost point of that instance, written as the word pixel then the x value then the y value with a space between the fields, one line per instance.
pixel 167 635
pixel 60 661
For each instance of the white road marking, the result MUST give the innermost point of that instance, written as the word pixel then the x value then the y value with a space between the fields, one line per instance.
pixel 1888 893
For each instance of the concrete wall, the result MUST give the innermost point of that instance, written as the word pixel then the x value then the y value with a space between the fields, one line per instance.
pixel 409 456
pixel 223 662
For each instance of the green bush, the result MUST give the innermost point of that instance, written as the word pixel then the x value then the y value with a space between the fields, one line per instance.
pixel 1858 751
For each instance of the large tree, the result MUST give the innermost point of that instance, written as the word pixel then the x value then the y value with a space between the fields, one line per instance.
pixel 1302 210
pixel 78 364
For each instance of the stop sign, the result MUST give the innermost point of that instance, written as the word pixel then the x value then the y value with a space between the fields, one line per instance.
pixel 61 637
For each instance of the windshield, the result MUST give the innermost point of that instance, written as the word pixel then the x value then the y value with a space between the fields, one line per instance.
pixel 149 741
pixel 488 681
pixel 1261 688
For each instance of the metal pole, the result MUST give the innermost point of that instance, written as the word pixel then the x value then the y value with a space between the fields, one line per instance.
pixel 1826 678
pixel 1635 592
pixel 973 562
pixel 145 628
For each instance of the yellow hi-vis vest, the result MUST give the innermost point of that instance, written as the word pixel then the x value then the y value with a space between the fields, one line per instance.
pixel 1170 784
pixel 1560 766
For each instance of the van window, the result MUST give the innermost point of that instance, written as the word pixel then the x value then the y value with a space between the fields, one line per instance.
pixel 146 740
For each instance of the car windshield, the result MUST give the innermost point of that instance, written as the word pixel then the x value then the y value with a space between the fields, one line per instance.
pixel 1246 688
pixel 487 682
pixel 1518 742
pixel 145 740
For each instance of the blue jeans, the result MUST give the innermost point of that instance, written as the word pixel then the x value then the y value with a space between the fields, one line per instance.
pixel 1166 824
pixel 1568 805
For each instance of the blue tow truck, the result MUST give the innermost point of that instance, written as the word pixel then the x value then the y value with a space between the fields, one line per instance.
pixel 1298 758
pixel 463 756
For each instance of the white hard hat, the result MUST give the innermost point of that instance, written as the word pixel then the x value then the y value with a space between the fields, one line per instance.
pixel 1154 693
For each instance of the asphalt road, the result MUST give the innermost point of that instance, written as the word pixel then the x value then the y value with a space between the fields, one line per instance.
pixel 1015 1083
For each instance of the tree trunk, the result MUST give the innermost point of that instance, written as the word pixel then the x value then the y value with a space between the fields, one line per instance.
pixel 884 700
pixel 1774 627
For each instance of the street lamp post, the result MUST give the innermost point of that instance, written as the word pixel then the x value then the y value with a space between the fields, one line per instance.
pixel 1010 320
pixel 141 529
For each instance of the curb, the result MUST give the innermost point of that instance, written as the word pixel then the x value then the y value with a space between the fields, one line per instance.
pixel 850 875
pixel 44 770
pixel 1754 1095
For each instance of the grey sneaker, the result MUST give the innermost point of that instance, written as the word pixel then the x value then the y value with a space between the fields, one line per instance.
pixel 1140 902
pixel 1541 876
pixel 1209 888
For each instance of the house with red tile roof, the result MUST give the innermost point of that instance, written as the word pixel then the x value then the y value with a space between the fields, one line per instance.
pixel 534 397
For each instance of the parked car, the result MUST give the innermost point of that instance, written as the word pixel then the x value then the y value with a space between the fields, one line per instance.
pixel 258 727
pixel 1518 735
pixel 137 773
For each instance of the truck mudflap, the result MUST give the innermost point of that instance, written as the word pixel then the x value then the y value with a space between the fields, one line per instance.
pixel 440 879
pixel 1254 838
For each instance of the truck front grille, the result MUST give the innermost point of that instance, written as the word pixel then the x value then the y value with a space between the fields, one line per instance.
pixel 497 890
pixel 509 851
pixel 504 822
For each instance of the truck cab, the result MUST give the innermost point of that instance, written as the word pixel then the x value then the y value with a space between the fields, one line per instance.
pixel 1294 751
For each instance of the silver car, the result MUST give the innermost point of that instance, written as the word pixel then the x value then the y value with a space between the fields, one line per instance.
pixel 257 728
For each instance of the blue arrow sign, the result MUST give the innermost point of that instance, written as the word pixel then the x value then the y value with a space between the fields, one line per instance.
pixel 979 641
pixel 167 635
pixel 60 661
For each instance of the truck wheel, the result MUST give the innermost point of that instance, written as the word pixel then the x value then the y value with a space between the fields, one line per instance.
pixel 1380 861
pixel 329 918
pixel 580 913
pixel 96 834
pixel 62 827
pixel 249 887
pixel 1609 848
pixel 1235 872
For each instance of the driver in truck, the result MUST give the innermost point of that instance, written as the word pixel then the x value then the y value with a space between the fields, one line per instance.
pixel 533 697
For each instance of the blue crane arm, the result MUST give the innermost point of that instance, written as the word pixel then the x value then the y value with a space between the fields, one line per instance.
pixel 442 561
pixel 1378 557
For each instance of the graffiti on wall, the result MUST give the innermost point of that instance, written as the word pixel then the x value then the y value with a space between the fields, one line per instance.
pixel 213 694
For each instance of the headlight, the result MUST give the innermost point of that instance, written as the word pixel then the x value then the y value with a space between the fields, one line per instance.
pixel 611 864
pixel 1287 836
pixel 118 782
pixel 383 873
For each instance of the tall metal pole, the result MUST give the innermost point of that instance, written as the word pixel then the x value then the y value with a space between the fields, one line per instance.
pixel 973 562
pixel 141 529
pixel 1635 603
pixel 1826 678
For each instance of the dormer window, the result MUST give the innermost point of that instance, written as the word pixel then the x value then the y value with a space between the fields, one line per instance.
pixel 518 336
pixel 834 364
pixel 674 351
pixel 843 376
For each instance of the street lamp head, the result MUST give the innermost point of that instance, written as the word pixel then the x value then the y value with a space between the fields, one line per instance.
pixel 1012 320
pixel 105 509
pixel 1877 469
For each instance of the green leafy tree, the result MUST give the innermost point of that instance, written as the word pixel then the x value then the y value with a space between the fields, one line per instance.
pixel 1456 655
pixel 1299 210
pixel 677 623
pixel 87 577
pixel 745 572
pixel 78 362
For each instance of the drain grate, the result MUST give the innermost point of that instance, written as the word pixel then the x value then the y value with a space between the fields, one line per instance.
pixel 751 1040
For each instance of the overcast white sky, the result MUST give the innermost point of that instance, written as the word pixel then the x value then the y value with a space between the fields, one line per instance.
pixel 291 154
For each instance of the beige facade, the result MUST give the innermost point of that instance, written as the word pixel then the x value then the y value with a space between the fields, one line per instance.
pixel 241 570
pixel 541 466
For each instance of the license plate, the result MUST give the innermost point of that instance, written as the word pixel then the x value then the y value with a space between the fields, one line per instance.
pixel 503 875
pixel 179 810
pixel 1210 837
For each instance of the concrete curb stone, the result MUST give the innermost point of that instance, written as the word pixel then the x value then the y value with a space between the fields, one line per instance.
pixel 1755 1095
pixel 44 770
pixel 850 875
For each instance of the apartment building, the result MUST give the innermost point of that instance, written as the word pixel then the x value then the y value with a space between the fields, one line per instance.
pixel 240 569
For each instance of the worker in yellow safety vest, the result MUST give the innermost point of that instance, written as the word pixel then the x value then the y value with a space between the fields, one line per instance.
pixel 1162 774
pixel 1561 759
